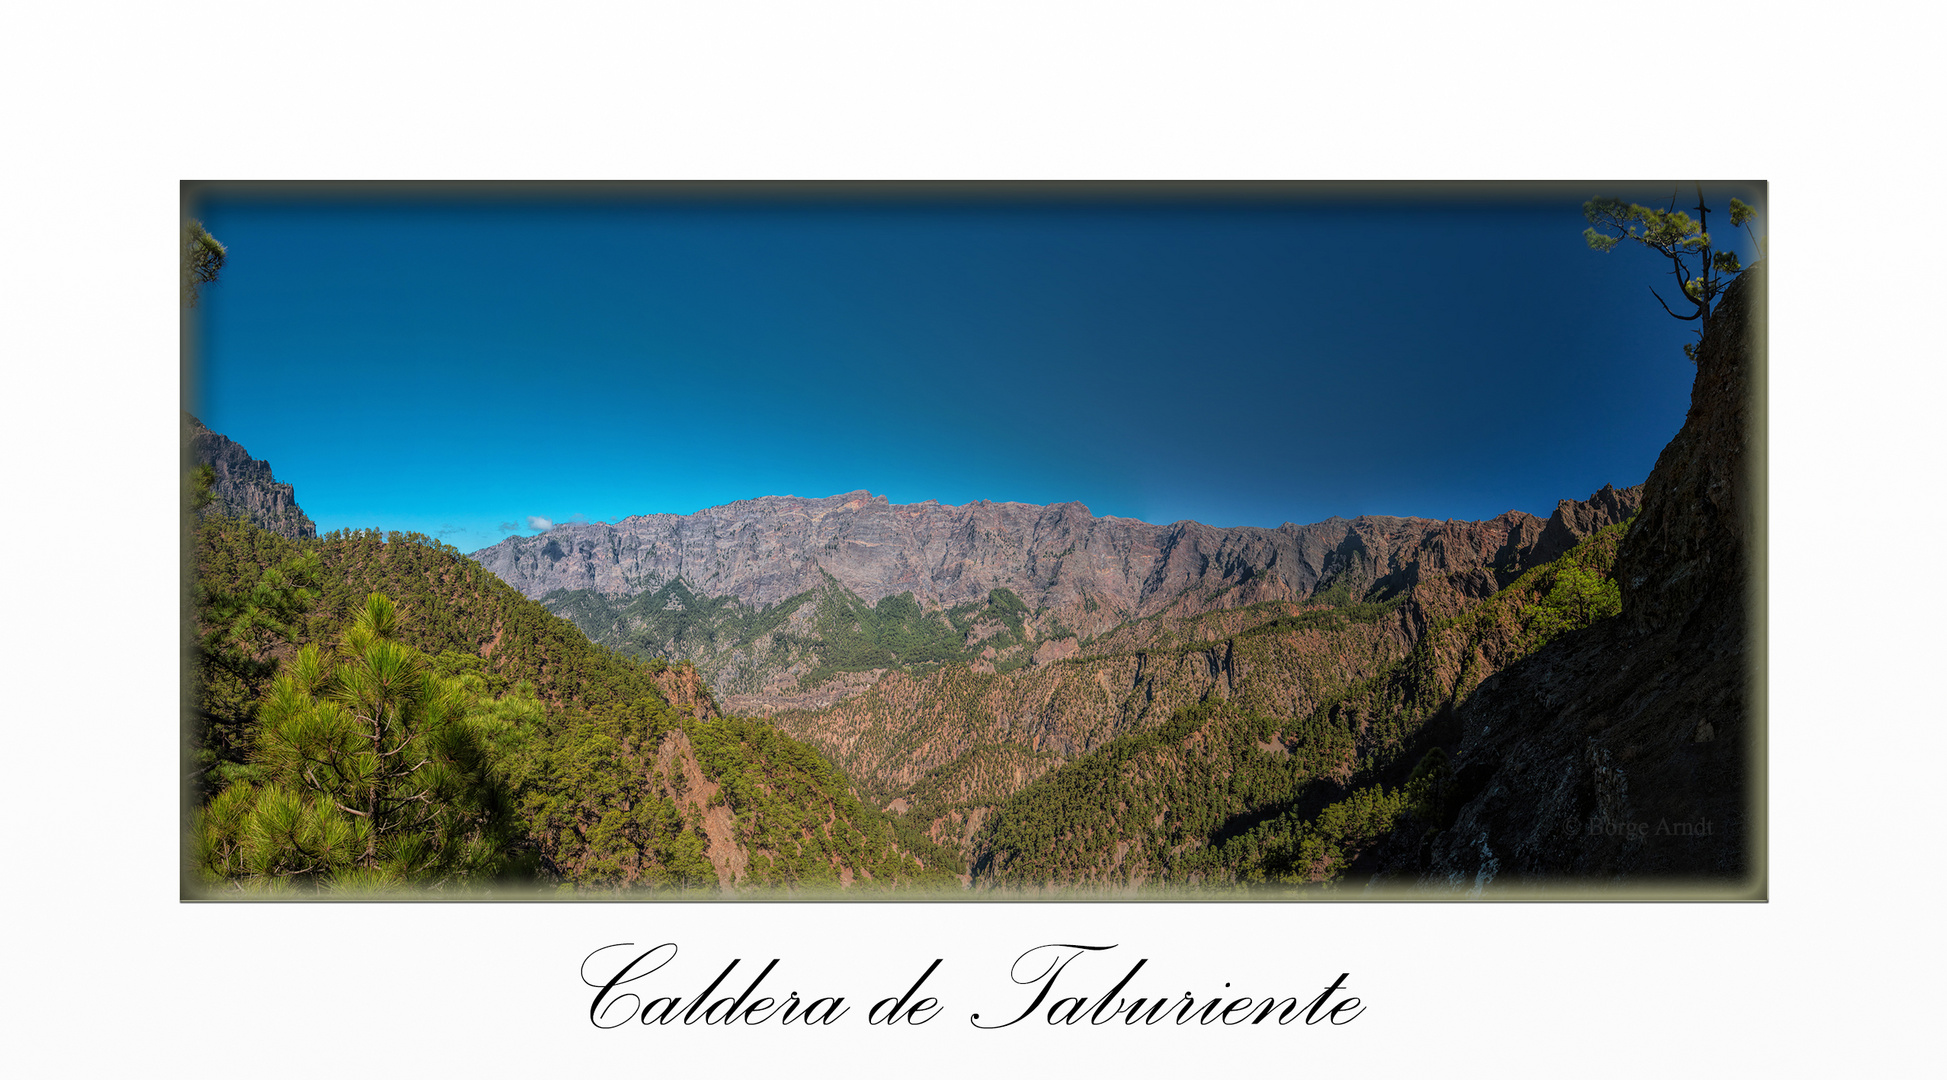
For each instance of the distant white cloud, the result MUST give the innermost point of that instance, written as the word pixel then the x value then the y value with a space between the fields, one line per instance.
pixel 539 524
pixel 508 526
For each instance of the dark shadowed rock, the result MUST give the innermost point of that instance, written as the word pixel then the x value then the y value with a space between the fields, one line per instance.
pixel 1621 752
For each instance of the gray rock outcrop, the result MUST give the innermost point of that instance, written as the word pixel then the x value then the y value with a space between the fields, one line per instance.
pixel 244 486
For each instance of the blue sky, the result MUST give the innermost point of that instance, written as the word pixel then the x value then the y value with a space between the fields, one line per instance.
pixel 466 367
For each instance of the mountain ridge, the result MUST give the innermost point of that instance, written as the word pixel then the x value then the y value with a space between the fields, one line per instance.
pixel 1097 572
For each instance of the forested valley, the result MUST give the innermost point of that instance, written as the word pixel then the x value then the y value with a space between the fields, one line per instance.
pixel 373 710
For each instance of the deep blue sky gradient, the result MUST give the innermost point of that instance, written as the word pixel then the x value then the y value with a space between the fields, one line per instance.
pixel 455 365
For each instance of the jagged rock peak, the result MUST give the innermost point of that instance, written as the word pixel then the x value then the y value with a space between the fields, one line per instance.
pixel 1573 521
pixel 244 486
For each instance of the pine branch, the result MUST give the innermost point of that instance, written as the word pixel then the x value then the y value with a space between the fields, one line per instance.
pixel 1693 316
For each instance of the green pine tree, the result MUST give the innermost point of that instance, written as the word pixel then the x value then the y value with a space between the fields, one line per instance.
pixel 232 660
pixel 1680 238
pixel 1579 597
pixel 203 257
pixel 370 768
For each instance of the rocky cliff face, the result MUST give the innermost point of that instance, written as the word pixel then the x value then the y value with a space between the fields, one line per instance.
pixel 1621 753
pixel 1098 571
pixel 244 486
pixel 751 593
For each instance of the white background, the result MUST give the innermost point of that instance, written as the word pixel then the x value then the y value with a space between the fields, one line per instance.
pixel 109 105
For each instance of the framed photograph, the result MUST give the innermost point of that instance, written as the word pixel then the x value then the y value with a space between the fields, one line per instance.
pixel 974 542
pixel 875 599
